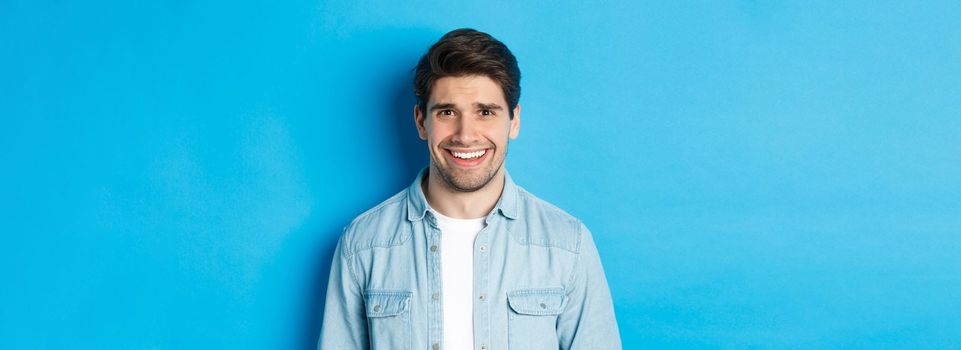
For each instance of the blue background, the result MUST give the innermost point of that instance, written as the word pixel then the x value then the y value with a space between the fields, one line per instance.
pixel 757 174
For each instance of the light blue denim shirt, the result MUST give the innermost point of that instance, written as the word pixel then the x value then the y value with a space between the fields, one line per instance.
pixel 538 280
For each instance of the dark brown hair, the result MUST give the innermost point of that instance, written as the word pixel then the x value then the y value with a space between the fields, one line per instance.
pixel 464 52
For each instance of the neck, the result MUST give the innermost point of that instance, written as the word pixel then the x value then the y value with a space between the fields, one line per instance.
pixel 462 205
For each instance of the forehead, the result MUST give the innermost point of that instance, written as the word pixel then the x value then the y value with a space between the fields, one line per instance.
pixel 467 89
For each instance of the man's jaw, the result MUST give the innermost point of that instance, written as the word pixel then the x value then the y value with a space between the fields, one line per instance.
pixel 460 182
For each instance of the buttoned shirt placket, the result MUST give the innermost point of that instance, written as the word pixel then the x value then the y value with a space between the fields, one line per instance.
pixel 435 333
pixel 482 312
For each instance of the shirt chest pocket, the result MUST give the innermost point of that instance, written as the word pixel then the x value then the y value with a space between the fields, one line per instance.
pixel 388 319
pixel 532 320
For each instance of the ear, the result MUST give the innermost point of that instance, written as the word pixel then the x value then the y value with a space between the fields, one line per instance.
pixel 516 122
pixel 419 122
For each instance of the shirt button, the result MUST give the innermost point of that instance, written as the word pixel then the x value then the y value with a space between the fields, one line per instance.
pixel 436 296
pixel 483 248
pixel 543 306
pixel 433 248
pixel 436 346
pixel 376 308
pixel 483 347
pixel 483 297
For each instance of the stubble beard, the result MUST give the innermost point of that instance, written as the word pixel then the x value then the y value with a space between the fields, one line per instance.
pixel 468 183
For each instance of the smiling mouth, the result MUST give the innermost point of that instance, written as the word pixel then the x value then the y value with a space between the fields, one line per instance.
pixel 468 155
pixel 467 158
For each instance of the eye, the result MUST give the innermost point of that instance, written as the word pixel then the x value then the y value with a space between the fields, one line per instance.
pixel 445 113
pixel 487 112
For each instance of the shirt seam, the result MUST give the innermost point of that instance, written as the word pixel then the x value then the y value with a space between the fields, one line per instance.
pixel 369 214
pixel 348 257
pixel 571 220
pixel 577 261
pixel 372 211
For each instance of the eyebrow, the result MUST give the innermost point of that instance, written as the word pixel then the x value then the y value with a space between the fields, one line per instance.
pixel 490 106
pixel 437 106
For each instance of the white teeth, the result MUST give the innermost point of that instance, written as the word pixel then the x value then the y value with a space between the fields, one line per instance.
pixel 468 155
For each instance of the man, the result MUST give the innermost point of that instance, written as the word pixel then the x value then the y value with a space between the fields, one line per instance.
pixel 464 258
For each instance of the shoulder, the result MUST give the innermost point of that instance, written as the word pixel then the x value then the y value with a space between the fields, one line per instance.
pixel 544 224
pixel 384 225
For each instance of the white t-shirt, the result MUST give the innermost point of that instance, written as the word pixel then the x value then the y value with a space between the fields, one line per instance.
pixel 457 279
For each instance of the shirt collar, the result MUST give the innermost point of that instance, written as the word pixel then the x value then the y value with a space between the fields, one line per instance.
pixel 417 205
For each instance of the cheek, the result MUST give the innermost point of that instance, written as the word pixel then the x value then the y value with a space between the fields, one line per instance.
pixel 434 141
pixel 438 135
pixel 500 136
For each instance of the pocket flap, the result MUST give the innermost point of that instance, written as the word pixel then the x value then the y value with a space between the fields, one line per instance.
pixel 384 303
pixel 537 301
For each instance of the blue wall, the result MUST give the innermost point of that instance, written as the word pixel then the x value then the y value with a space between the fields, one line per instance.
pixel 757 174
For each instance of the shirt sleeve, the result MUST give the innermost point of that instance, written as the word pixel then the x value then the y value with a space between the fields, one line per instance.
pixel 588 321
pixel 345 321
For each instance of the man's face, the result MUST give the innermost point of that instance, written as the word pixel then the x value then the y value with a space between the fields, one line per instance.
pixel 467 126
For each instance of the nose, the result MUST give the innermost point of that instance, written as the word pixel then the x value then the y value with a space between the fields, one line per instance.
pixel 466 131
